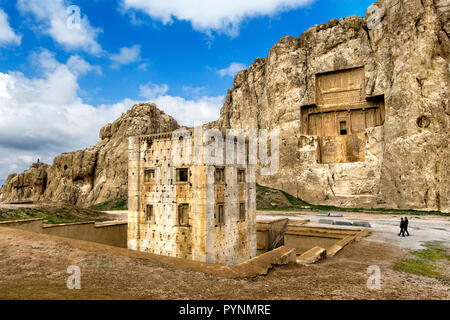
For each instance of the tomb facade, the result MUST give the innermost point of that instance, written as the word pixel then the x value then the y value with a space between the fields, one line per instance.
pixel 341 115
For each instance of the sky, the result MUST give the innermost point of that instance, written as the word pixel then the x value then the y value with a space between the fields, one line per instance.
pixel 69 67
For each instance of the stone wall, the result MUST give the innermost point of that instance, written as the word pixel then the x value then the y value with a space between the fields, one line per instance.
pixel 109 233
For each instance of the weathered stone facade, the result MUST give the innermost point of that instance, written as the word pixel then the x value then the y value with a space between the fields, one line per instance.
pixel 190 208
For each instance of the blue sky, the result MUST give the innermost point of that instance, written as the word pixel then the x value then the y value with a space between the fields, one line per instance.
pixel 60 84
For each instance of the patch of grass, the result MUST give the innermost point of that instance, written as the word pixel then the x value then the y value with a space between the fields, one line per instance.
pixel 423 262
pixel 27 213
pixel 417 267
pixel 114 204
pixel 52 213
pixel 297 204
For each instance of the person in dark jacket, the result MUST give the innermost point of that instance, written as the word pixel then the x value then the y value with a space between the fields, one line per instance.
pixel 402 228
pixel 406 227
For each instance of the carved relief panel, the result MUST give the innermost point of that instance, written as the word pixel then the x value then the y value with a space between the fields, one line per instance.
pixel 341 115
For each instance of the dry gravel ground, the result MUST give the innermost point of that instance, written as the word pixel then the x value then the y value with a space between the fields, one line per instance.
pixel 33 266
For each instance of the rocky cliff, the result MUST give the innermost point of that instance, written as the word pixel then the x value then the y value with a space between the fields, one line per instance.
pixel 95 174
pixel 403 46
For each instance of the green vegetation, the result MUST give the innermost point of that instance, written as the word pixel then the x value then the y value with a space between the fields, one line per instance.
pixel 269 199
pixel 114 204
pixel 424 262
pixel 26 213
pixel 52 214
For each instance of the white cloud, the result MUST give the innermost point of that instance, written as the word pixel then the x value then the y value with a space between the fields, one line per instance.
pixel 126 55
pixel 143 66
pixel 53 16
pixel 222 16
pixel 193 91
pixel 232 69
pixel 80 66
pixel 187 112
pixel 150 90
pixel 7 34
pixel 191 112
pixel 44 116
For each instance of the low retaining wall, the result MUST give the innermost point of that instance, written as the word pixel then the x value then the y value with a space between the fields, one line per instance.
pixel 303 238
pixel 112 233
pixel 267 232
pixel 34 225
pixel 304 243
pixel 311 243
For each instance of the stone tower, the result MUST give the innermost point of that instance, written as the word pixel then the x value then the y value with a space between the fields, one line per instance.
pixel 186 200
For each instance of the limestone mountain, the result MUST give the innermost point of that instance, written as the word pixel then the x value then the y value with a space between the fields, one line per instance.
pixel 363 108
pixel 95 174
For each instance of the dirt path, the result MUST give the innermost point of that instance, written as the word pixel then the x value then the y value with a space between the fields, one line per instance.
pixel 33 266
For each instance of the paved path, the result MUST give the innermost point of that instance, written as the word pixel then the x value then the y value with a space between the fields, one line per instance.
pixel 385 228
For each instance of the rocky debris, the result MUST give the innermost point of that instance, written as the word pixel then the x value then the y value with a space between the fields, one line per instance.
pixel 92 175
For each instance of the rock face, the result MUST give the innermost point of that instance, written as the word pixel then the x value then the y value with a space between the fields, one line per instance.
pixel 403 48
pixel 375 140
pixel 95 174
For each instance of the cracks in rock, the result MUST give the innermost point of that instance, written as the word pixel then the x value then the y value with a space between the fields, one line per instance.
pixel 416 24
pixel 94 171
pixel 329 183
pixel 258 107
pixel 306 74
pixel 420 83
pixel 331 187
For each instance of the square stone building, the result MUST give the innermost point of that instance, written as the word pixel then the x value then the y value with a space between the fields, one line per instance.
pixel 185 201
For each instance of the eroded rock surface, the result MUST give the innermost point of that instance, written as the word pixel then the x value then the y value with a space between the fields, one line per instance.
pixel 405 56
pixel 403 46
pixel 95 174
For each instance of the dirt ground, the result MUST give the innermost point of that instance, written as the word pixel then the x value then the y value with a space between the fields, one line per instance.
pixel 33 266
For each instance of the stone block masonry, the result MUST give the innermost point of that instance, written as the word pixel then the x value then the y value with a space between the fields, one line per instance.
pixel 183 205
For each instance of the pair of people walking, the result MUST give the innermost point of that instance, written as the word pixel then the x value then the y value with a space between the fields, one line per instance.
pixel 404 227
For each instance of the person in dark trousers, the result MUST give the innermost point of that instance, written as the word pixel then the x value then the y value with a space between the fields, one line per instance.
pixel 406 227
pixel 402 228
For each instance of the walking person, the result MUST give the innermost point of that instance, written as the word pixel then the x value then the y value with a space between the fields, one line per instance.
pixel 406 227
pixel 402 228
